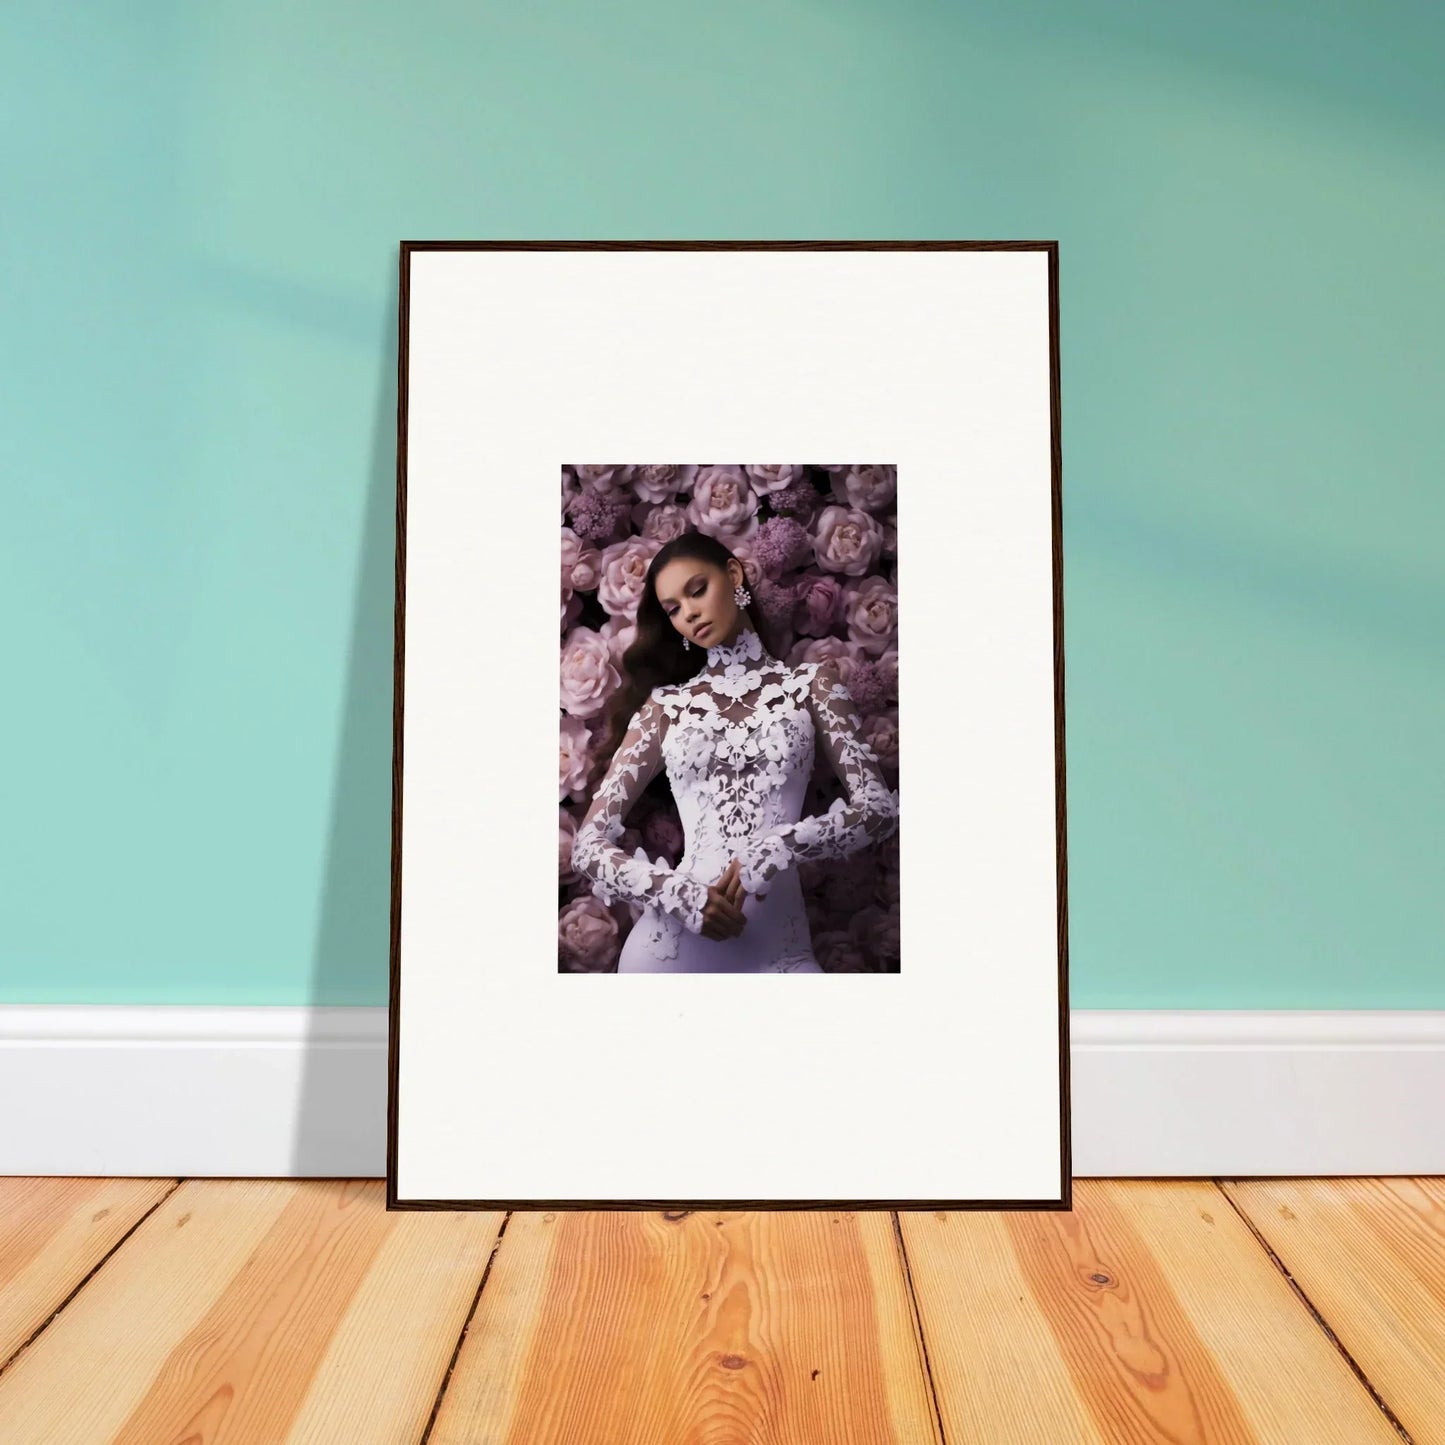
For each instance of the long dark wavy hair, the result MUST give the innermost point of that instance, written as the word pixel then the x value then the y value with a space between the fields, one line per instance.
pixel 657 656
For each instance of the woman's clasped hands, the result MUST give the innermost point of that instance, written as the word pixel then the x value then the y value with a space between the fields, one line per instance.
pixel 722 914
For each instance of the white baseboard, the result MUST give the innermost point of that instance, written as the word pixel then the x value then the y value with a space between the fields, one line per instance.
pixel 301 1093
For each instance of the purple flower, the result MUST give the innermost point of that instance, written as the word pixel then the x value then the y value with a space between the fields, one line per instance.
pixel 776 601
pixel 888 670
pixel 596 516
pixel 869 687
pixel 782 544
pixel 798 499
pixel 767 479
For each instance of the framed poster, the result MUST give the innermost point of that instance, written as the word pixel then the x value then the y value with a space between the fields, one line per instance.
pixel 808 945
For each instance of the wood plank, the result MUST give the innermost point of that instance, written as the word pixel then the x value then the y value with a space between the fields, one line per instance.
pixel 1148 1314
pixel 257 1310
pixel 602 1326
pixel 388 1357
pixel 53 1232
pixel 1370 1255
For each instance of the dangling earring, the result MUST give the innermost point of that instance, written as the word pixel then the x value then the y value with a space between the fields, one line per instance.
pixel 741 595
pixel 685 644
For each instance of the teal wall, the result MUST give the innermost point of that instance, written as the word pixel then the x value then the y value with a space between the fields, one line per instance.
pixel 199 232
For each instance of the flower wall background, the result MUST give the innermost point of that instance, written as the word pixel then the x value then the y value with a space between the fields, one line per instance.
pixel 819 545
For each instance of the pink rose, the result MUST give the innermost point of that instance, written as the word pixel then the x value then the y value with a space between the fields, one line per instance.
pixel 574 757
pixel 819 603
pixel 846 541
pixel 620 634
pixel 723 504
pixel 839 952
pixel 570 488
pixel 890 536
pixel 767 480
pixel 820 648
pixel 880 732
pixel 870 610
pixel 587 936
pixel 624 575
pixel 580 562
pixel 868 489
pixel 589 676
pixel 659 523
pixel 661 484
pixel 601 479
pixel 566 837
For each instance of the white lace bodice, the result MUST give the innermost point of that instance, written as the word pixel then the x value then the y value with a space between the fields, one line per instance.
pixel 738 742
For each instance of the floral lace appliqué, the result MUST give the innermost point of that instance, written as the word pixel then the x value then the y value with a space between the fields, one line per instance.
pixel 732 739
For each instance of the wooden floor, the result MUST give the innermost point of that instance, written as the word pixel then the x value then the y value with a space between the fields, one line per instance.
pixel 214 1312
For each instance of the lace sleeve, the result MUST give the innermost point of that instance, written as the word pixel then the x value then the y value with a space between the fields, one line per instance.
pixel 595 853
pixel 869 813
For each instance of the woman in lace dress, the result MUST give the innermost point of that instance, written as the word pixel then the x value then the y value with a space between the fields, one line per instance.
pixel 736 730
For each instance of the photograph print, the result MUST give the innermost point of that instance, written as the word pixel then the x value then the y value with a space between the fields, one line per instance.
pixel 729 719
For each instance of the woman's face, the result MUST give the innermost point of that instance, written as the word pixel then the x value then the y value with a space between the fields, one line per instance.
pixel 698 599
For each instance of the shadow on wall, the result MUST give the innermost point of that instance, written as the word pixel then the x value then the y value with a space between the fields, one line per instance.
pixel 342 1111
pixel 1328 57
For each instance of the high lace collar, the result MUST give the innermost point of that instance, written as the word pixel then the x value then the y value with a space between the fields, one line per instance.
pixel 735 656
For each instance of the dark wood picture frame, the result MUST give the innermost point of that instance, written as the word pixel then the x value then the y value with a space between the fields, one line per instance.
pixel 1064 1201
